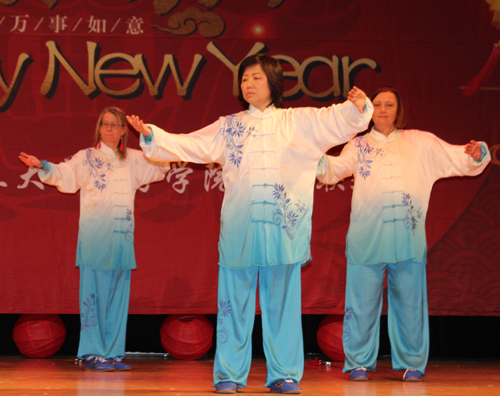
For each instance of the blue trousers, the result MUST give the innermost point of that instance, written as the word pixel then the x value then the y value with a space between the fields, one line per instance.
pixel 104 298
pixel 407 316
pixel 280 304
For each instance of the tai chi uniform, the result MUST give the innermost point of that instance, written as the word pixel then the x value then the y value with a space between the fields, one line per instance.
pixel 269 164
pixel 393 176
pixel 105 250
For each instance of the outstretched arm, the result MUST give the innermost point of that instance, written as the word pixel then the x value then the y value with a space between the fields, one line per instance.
pixel 65 176
pixel 30 160
pixel 448 160
pixel 332 169
pixel 202 146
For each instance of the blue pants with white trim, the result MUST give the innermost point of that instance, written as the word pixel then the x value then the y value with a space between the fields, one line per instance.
pixel 280 304
pixel 407 316
pixel 104 299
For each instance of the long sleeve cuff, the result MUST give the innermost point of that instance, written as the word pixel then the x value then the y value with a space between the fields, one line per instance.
pixel 353 117
pixel 45 166
pixel 484 152
pixel 365 109
pixel 148 139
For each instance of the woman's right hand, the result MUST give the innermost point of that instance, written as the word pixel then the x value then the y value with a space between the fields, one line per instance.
pixel 30 160
pixel 138 125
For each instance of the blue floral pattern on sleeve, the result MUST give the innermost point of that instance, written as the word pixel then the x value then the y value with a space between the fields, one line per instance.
pixel 413 215
pixel 235 133
pixel 97 168
pixel 287 212
pixel 366 155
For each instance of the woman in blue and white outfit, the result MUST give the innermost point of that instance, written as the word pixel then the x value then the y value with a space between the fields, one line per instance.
pixel 268 156
pixel 394 171
pixel 108 176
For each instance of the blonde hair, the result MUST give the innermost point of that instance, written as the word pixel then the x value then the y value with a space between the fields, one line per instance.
pixel 120 115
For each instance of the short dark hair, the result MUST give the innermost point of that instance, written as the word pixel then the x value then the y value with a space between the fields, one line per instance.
pixel 273 72
pixel 400 121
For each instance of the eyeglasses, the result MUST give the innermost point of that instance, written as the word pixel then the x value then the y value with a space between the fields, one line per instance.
pixel 107 124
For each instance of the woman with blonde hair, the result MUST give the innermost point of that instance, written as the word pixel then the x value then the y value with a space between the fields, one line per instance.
pixel 108 176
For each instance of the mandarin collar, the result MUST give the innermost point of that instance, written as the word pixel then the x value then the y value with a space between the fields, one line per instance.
pixel 380 137
pixel 255 112
pixel 107 150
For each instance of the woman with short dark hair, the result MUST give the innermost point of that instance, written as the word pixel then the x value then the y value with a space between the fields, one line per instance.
pixel 274 73
pixel 269 157
pixel 394 171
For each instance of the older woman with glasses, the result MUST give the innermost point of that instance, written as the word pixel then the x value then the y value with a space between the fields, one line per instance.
pixel 108 176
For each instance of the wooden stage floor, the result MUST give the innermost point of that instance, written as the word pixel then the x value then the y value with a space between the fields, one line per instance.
pixel 158 376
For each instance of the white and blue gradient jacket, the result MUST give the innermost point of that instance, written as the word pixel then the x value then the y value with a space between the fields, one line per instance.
pixel 107 191
pixel 269 162
pixel 393 178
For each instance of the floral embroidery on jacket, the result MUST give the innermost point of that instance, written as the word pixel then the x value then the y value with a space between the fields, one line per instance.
pixel 286 211
pixel 235 134
pixel 366 155
pixel 97 168
pixel 129 234
pixel 413 215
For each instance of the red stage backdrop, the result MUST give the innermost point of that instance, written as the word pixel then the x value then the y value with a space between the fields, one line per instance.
pixel 174 63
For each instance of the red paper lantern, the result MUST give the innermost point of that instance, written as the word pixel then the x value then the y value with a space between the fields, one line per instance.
pixel 186 337
pixel 39 336
pixel 329 337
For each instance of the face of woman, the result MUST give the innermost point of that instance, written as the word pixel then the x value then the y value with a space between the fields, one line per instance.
pixel 111 130
pixel 385 109
pixel 255 87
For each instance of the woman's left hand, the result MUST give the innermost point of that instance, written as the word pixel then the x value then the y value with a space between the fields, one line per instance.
pixel 358 98
pixel 473 149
